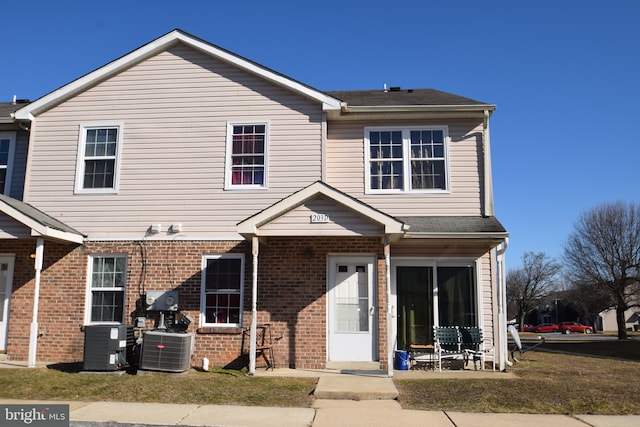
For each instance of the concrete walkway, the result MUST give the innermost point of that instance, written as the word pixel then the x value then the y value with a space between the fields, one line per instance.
pixel 343 398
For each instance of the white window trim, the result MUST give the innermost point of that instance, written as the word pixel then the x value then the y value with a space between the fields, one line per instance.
pixel 88 296
pixel 80 161
pixel 203 294
pixel 229 151
pixel 406 160
pixel 11 136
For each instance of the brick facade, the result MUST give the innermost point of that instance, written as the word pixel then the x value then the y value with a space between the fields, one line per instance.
pixel 292 284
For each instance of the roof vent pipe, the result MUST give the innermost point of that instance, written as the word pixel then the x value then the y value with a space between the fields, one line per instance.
pixel 385 88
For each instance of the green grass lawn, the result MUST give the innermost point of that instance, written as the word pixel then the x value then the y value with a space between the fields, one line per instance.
pixel 545 382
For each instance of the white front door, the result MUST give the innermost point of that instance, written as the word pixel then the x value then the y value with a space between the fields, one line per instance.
pixel 351 309
pixel 6 284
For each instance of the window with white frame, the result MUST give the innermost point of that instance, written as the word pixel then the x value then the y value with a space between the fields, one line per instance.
pixel 99 158
pixel 247 155
pixel 406 159
pixel 222 284
pixel 106 296
pixel 7 147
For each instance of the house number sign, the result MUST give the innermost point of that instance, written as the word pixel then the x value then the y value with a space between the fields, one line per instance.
pixel 319 218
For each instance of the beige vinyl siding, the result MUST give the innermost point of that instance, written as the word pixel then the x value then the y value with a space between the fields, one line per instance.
pixel 346 170
pixel 488 290
pixel 174 108
pixel 341 222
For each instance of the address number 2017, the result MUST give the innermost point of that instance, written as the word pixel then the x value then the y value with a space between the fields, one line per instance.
pixel 319 218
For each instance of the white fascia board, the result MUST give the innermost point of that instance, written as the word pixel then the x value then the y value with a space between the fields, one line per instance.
pixel 427 235
pixel 52 233
pixel 28 112
pixel 408 108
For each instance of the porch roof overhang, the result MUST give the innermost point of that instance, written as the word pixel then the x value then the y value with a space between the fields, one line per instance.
pixel 40 224
pixel 392 228
pixel 479 230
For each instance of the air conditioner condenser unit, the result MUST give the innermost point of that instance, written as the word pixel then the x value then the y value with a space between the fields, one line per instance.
pixel 166 351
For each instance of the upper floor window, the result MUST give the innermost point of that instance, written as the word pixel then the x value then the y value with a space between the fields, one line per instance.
pixel 406 159
pixel 99 158
pixel 247 155
pixel 222 284
pixel 106 294
pixel 7 147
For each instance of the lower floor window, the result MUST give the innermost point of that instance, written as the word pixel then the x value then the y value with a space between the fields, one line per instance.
pixel 422 289
pixel 107 288
pixel 222 284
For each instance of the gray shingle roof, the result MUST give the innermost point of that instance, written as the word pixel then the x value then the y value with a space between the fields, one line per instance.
pixel 37 215
pixel 402 97
pixel 453 224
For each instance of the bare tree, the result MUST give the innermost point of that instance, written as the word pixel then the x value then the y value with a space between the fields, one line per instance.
pixel 528 285
pixel 604 250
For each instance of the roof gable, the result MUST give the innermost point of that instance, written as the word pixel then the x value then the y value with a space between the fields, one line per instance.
pixel 389 225
pixel 162 44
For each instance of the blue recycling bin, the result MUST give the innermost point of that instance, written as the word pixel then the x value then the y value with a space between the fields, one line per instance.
pixel 401 360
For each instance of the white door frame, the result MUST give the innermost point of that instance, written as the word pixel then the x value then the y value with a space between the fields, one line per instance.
pixel 5 299
pixel 352 347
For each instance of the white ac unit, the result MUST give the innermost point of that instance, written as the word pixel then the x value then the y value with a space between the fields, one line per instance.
pixel 166 351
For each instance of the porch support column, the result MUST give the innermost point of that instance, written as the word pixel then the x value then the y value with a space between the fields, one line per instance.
pixel 33 336
pixel 254 306
pixel 387 268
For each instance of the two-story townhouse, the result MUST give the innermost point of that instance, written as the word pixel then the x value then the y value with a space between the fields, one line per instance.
pixel 350 222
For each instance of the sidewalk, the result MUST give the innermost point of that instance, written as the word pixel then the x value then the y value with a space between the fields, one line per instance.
pixel 335 407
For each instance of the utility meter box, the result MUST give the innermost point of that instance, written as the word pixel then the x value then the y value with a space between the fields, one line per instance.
pixel 162 300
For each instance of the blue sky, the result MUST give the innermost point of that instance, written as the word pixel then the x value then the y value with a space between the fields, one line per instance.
pixel 564 75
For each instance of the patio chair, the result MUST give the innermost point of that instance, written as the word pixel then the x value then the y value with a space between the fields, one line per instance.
pixel 446 340
pixel 476 347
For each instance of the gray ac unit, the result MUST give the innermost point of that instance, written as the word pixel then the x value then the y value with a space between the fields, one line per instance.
pixel 106 347
pixel 162 300
pixel 166 351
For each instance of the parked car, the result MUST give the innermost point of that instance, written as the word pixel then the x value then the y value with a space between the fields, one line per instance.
pixel 529 328
pixel 569 327
pixel 547 327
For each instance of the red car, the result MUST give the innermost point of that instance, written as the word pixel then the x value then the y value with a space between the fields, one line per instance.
pixel 569 327
pixel 547 327
pixel 529 328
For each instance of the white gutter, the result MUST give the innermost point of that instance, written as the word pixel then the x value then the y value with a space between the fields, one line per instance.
pixel 503 350
pixel 404 108
pixel 33 336
pixel 442 235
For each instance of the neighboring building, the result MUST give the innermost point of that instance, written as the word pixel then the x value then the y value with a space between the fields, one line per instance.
pixel 351 222
pixel 608 322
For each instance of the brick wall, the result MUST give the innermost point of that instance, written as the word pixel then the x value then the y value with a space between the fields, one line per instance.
pixel 291 295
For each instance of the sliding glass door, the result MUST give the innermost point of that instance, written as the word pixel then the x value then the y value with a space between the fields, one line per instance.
pixel 426 294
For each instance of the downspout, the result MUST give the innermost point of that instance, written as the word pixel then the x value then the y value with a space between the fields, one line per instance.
pixel 390 340
pixel 33 336
pixel 254 306
pixel 502 305
pixel 488 179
